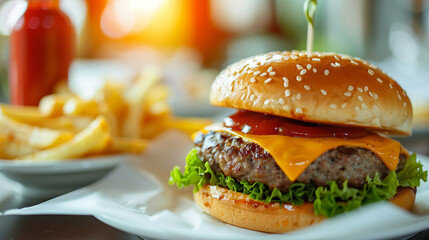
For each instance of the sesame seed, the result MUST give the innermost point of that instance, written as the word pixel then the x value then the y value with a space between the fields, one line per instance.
pixel 333 106
pixel 263 74
pixel 252 80
pixel 293 56
pixel 268 80
pixel 399 97
pixel 241 87
pixel 336 57
pixel 391 86
pixel 375 96
pixel 299 67
pixel 370 94
pixel 371 72
pixel 348 94
pixel 363 105
pixel 314 70
pixel 309 66
pixel 252 97
pixel 405 104
pixel 270 69
pixel 298 110
pixel 336 64
pixel 286 82
pixel 298 96
pixel 326 72
pixel 379 80
pixel 307 87
pixel 360 89
pixel 266 102
pixel 272 73
pixel 403 93
pixel 303 71
pixel 281 101
pixel 343 105
pixel 373 66
pixel 354 63
pixel 323 92
pixel 360 98
pixel 243 96
pixel 298 78
pixel 256 73
pixel 287 93
pixel 316 59
pixel 350 88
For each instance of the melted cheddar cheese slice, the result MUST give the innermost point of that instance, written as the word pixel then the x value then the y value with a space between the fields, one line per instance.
pixel 295 154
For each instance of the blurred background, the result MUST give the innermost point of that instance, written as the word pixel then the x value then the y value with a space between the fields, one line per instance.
pixel 192 40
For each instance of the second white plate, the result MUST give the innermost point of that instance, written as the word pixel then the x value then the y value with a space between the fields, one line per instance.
pixel 49 179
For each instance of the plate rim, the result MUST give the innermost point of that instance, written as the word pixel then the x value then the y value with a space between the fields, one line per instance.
pixel 61 166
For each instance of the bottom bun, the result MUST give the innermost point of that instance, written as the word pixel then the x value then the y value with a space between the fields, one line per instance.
pixel 238 209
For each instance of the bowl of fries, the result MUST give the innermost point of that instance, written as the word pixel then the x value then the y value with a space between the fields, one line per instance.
pixel 81 140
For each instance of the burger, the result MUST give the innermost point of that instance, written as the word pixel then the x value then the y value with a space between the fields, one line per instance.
pixel 307 142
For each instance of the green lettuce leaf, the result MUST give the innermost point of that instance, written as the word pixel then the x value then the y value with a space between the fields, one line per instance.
pixel 329 200
pixel 412 173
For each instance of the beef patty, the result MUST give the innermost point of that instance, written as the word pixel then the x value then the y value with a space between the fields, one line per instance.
pixel 245 160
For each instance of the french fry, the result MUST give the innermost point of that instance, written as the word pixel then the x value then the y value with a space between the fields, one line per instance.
pixel 32 116
pixel 79 107
pixel 158 93
pixel 110 96
pixel 52 105
pixel 73 124
pixel 135 99
pixel 25 114
pixel 91 140
pixel 12 149
pixel 111 105
pixel 129 145
pixel 35 136
pixel 188 125
pixel 112 120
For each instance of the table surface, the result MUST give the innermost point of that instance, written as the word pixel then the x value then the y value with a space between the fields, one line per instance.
pixel 71 227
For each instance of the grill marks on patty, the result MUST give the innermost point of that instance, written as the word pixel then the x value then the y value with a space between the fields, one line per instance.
pixel 244 160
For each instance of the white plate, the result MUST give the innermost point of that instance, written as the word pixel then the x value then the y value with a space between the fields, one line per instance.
pixel 375 221
pixel 49 179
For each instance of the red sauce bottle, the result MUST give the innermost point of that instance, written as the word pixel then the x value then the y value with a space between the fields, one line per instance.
pixel 41 50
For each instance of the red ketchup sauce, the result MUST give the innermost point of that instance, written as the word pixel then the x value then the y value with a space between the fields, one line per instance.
pixel 263 124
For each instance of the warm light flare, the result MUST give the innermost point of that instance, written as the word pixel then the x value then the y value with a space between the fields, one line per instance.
pixel 122 17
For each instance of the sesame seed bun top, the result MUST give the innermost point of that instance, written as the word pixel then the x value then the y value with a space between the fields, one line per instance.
pixel 315 87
